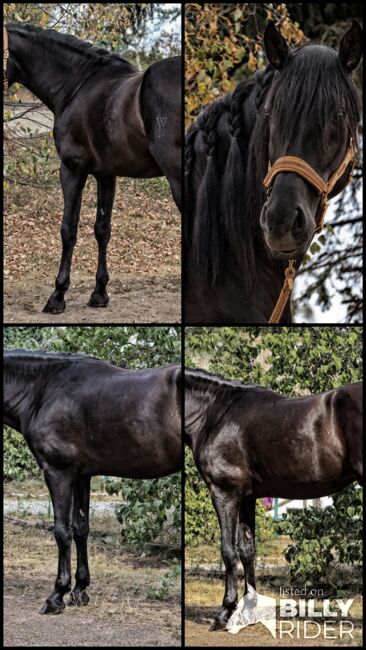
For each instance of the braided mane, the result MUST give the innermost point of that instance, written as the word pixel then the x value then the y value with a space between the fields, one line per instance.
pixel 222 199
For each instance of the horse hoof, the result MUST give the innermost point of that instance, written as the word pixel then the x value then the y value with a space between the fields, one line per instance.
pixel 78 600
pixel 96 300
pixel 217 625
pixel 52 608
pixel 54 307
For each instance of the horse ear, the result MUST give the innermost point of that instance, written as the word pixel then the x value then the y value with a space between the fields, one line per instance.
pixel 350 49
pixel 275 46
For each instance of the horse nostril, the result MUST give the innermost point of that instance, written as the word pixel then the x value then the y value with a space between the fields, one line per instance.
pixel 299 224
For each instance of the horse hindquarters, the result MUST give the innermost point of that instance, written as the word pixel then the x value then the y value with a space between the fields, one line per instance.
pixel 160 100
pixel 348 415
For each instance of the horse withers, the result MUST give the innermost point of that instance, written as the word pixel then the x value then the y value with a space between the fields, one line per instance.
pixel 248 442
pixel 80 417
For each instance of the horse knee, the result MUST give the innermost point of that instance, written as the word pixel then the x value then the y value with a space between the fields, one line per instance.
pixel 102 232
pixel 230 556
pixel 80 530
pixel 68 234
pixel 63 535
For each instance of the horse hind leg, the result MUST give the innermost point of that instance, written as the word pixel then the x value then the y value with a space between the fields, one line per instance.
pixel 106 186
pixel 80 525
pixel 246 541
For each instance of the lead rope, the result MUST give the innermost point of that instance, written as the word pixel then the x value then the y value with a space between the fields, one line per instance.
pixel 288 284
pixel 5 57
pixel 290 272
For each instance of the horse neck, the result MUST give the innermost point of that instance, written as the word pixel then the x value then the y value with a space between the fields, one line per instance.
pixel 205 406
pixel 21 386
pixel 51 73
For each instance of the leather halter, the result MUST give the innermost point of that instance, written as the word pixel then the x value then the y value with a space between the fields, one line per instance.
pixel 5 56
pixel 324 188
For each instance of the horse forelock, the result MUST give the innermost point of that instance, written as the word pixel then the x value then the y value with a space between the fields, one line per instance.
pixel 309 91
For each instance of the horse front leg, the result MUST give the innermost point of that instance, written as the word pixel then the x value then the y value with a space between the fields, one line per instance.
pixel 80 525
pixel 102 229
pixel 227 507
pixel 72 184
pixel 60 486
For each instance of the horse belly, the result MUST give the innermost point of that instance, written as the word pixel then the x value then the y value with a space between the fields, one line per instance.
pixel 134 455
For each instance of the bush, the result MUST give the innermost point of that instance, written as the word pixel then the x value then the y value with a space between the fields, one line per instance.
pixel 324 536
pixel 19 462
pixel 150 509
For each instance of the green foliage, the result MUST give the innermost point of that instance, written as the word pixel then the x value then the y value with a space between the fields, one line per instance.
pixel 127 347
pixel 18 462
pixel 168 580
pixel 152 508
pixel 324 536
pixel 200 521
pixel 292 361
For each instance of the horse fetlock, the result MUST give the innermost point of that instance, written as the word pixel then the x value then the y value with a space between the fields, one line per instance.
pixel 78 598
pixel 219 622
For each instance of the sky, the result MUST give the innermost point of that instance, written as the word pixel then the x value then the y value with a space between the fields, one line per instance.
pixel 337 312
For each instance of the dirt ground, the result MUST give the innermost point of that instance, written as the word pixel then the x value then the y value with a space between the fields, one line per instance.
pixel 131 300
pixel 121 611
pixel 144 256
pixel 199 615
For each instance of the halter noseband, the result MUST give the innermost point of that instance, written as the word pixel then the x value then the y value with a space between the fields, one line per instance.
pixel 298 166
pixel 5 56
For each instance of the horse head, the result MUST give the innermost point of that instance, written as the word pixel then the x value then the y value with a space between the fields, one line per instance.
pixel 311 113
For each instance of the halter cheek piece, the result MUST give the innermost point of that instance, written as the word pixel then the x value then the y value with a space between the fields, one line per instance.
pixel 300 167
pixel 5 56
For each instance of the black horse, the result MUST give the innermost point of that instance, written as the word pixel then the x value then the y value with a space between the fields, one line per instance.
pixel 81 416
pixel 110 120
pixel 249 442
pixel 237 243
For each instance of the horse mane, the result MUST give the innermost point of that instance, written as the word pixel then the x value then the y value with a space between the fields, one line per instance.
pixel 38 362
pixel 224 223
pixel 42 355
pixel 197 378
pixel 93 55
